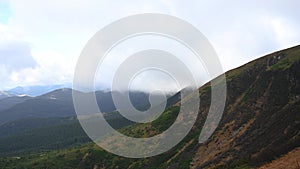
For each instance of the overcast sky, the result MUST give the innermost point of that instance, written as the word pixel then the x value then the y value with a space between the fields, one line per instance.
pixel 40 41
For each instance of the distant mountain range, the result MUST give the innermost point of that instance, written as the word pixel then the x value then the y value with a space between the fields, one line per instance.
pixel 34 90
pixel 59 103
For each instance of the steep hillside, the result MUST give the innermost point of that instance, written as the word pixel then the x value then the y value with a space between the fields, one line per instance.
pixel 262 115
pixel 261 122
pixel 290 161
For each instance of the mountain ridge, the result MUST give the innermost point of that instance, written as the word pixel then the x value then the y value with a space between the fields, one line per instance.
pixel 59 103
pixel 34 91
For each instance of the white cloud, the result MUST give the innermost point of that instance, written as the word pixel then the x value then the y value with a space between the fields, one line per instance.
pixel 16 55
pixel 58 30
pixel 285 33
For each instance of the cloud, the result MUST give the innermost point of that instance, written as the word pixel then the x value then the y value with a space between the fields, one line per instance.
pixel 42 74
pixel 23 64
pixel 16 56
pixel 241 31
pixel 48 36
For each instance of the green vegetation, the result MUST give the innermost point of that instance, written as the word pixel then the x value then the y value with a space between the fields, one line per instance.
pixel 90 155
pixel 285 62
pixel 33 135
pixel 155 127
